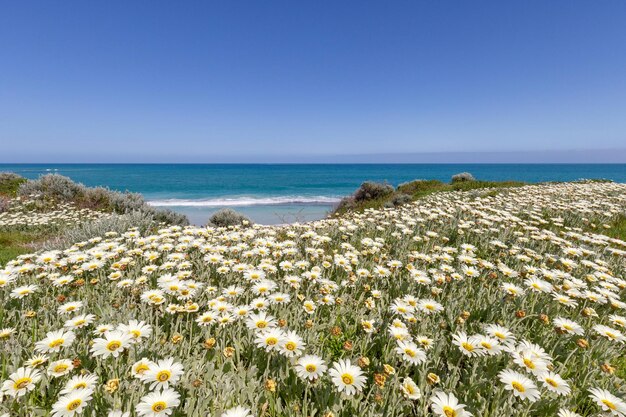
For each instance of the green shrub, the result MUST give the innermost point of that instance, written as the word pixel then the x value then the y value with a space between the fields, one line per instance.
pixel 346 204
pixel 400 199
pixel 228 217
pixel 96 198
pixel 127 202
pixel 169 217
pixel 370 190
pixel 462 177
pixel 53 186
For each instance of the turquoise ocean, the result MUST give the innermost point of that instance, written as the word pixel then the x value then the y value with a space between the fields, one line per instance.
pixel 281 193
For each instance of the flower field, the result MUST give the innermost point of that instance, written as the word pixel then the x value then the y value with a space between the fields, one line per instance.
pixel 24 214
pixel 484 303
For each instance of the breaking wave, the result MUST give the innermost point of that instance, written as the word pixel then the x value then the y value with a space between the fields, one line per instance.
pixel 244 201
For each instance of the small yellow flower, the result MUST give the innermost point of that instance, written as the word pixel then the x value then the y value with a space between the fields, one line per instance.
pixel 432 378
pixel 228 352
pixel 112 385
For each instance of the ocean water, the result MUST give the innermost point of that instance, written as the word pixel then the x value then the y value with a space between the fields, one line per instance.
pixel 281 193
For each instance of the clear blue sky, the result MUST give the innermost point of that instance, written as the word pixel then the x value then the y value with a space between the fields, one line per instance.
pixel 218 80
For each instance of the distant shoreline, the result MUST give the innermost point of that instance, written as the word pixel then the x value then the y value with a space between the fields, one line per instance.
pixel 269 192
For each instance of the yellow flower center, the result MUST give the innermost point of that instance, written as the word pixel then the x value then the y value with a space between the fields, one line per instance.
pixel 60 368
pixel 22 383
pixel 468 346
pixel 55 343
pixel 79 323
pixel 486 345
pixel 449 411
pixel 113 345
pixel 517 386
pixel 159 406
pixel 135 333
pixel 311 368
pixel 551 382
pixel 529 364
pixel 568 327
pixel 163 376
pixel 73 405
pixel 290 346
pixel 261 324
pixel 410 352
pixel 347 379
pixel 609 404
pixel 141 368
pixel 271 341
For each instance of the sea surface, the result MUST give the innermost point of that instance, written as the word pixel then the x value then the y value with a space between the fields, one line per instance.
pixel 283 193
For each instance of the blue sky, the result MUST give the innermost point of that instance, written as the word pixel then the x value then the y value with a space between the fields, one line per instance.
pixel 152 81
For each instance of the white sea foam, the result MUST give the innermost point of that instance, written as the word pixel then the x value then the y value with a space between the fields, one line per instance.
pixel 244 201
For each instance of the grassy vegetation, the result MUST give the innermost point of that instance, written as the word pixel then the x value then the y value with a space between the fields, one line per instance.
pixel 15 243
pixel 418 189
pixel 10 184
pixel 618 228
pixel 12 244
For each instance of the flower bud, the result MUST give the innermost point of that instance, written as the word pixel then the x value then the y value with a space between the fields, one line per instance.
pixel 432 378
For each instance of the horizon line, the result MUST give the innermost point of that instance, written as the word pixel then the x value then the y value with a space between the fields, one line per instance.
pixel 312 163
pixel 570 156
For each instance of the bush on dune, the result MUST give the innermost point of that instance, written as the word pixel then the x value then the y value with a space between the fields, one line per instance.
pixel 462 177
pixel 228 217
pixel 398 199
pixel 368 191
pixel 53 186
pixel 59 188
pixel 168 216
